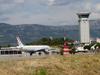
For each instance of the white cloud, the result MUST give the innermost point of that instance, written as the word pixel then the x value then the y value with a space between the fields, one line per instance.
pixel 48 12
pixel 19 1
pixel 62 2
pixel 9 6
pixel 97 6
pixel 56 2
pixel 94 15
pixel 4 18
pixel 50 2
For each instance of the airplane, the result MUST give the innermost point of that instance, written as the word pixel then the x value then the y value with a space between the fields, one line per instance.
pixel 31 48
pixel 81 49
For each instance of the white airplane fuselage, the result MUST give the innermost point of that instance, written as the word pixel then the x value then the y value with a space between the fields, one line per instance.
pixel 33 47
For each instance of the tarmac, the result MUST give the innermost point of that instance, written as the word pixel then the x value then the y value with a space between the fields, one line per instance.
pixel 27 56
pixel 23 56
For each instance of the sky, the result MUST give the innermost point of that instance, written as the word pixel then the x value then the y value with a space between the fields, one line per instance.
pixel 47 12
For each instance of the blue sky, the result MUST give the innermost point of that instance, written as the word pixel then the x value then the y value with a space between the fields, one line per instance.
pixel 47 12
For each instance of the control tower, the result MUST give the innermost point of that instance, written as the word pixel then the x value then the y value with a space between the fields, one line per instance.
pixel 84 32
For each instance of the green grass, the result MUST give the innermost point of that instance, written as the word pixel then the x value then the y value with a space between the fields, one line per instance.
pixel 40 72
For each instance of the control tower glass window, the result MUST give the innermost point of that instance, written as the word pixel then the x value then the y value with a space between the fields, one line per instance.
pixel 83 16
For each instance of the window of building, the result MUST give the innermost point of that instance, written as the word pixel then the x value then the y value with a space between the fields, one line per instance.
pixel 83 16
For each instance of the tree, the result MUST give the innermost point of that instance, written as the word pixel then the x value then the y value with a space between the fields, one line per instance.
pixel 0 46
pixel 98 44
pixel 87 47
pixel 9 45
pixel 48 41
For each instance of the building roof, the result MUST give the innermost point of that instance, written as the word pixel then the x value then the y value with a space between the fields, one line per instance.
pixel 83 13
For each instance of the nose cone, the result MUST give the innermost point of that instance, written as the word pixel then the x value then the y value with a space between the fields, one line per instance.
pixel 49 47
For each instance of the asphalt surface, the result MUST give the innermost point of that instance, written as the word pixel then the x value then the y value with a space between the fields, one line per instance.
pixel 27 56
pixel 23 56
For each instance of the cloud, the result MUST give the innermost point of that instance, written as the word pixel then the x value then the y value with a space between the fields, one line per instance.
pixel 51 2
pixel 4 18
pixel 97 6
pixel 11 1
pixel 64 2
pixel 9 6
pixel 55 2
pixel 19 1
pixel 48 12
pixel 94 15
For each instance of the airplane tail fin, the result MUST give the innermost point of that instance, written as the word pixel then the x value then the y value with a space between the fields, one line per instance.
pixel 19 42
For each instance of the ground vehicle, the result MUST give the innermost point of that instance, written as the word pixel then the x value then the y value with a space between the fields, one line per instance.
pixel 81 49
pixel 54 50
pixel 71 47
pixel 60 48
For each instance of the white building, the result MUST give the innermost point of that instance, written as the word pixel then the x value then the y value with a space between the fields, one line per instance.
pixel 98 40
pixel 84 32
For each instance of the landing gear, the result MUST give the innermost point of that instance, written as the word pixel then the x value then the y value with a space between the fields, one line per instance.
pixel 31 53
pixel 39 53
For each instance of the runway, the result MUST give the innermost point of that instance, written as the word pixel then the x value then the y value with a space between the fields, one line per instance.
pixel 23 56
pixel 34 56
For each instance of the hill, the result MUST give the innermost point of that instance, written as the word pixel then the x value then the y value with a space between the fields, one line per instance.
pixel 34 32
pixel 50 42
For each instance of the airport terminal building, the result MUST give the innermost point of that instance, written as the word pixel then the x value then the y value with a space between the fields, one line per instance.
pixel 9 51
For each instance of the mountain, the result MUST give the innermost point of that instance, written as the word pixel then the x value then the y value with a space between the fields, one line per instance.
pixel 33 32
pixel 95 28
